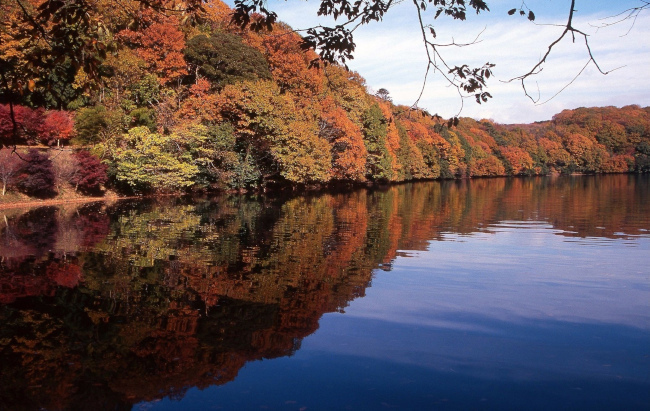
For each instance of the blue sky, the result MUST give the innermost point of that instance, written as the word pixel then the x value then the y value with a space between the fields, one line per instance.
pixel 390 55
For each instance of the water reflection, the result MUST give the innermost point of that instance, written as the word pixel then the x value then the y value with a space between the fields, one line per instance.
pixel 109 305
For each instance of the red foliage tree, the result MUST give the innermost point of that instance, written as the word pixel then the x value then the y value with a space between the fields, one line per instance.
pixel 57 125
pixel 27 128
pixel 6 125
pixel 91 174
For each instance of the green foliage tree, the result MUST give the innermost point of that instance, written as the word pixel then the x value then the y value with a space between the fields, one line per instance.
pixel 378 164
pixel 283 138
pixel 451 160
pixel 95 124
pixel 410 158
pixel 612 136
pixel 221 163
pixel 146 91
pixel 151 161
pixel 224 59
pixel 57 90
pixel 431 158
pixel 143 117
pixel 642 157
pixel 303 156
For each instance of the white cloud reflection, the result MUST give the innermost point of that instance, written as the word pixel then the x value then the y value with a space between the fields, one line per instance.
pixel 525 301
pixel 514 275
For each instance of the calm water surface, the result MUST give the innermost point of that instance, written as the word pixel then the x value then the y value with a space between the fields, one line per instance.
pixel 484 294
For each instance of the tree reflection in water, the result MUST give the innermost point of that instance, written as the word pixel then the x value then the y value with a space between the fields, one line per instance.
pixel 108 305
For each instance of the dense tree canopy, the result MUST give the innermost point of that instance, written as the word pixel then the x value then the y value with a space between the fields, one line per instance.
pixel 179 98
pixel 224 59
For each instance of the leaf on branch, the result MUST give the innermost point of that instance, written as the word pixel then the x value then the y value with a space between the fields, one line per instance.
pixel 241 16
pixel 333 44
pixel 531 16
pixel 511 12
pixel 482 97
pixel 479 5
pixel 433 32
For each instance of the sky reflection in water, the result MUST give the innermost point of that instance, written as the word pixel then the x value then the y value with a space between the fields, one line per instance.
pixel 482 294
pixel 518 315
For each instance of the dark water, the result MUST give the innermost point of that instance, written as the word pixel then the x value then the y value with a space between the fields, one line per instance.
pixel 485 294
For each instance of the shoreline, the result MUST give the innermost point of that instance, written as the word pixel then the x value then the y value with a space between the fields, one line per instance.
pixel 30 203
pixel 41 203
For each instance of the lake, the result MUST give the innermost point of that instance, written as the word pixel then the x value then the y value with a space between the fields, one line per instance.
pixel 521 293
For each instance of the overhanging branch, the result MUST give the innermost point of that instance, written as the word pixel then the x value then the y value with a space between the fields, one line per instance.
pixel 568 29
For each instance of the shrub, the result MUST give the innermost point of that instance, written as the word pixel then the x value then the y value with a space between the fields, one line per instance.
pixel 91 173
pixel 36 176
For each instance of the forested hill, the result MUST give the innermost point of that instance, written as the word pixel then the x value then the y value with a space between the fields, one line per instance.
pixel 189 102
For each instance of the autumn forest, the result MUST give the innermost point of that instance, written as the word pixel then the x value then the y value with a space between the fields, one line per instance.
pixel 187 102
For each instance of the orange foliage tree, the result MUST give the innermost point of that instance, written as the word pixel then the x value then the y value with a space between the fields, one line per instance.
pixel 487 167
pixel 587 154
pixel 201 103
pixel 289 63
pixel 346 140
pixel 160 44
pixel 518 161
pixel 267 122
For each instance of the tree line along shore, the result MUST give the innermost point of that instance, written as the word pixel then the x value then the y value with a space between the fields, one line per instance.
pixel 199 105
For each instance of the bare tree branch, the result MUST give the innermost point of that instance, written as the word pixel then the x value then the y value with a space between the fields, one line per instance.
pixel 465 80
pixel 629 14
pixel 538 67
